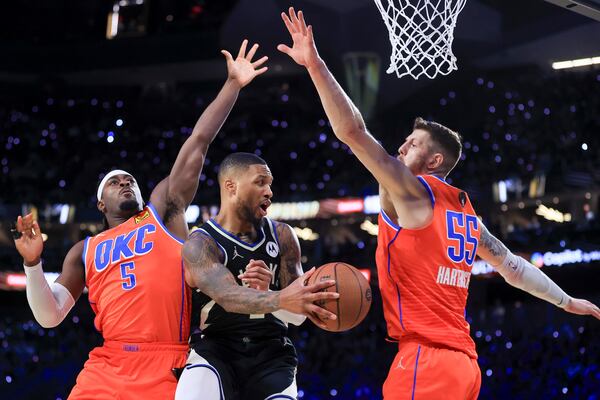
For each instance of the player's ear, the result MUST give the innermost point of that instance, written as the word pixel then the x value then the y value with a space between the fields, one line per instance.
pixel 230 186
pixel 101 206
pixel 436 161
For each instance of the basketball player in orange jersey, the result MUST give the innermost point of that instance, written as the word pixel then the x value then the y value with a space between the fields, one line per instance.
pixel 134 270
pixel 429 235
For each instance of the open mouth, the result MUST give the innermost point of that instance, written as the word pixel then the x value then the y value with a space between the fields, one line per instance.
pixel 264 206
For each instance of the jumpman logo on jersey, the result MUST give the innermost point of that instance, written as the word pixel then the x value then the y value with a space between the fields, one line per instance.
pixel 236 254
pixel 400 364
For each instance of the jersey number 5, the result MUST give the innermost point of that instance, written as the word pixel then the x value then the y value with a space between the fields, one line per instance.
pixel 466 243
pixel 127 275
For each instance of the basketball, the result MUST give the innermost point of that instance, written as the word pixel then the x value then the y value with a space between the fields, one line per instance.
pixel 355 295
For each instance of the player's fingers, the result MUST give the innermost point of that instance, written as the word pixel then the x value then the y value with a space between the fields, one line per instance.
pixel 316 287
pixel 252 52
pixel 19 224
pixel 254 283
pixel 36 229
pixel 255 275
pixel 227 55
pixel 306 276
pixel 261 71
pixel 294 18
pixel 260 62
pixel 315 320
pixel 242 51
pixel 310 33
pixel 257 263
pixel 323 296
pixel 259 269
pixel 284 49
pixel 302 23
pixel 322 313
pixel 288 23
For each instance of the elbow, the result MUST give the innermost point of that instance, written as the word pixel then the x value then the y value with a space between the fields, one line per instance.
pixel 48 322
pixel 353 135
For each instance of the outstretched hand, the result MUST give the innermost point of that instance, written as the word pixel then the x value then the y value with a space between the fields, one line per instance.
pixel 583 307
pixel 28 239
pixel 303 50
pixel 243 70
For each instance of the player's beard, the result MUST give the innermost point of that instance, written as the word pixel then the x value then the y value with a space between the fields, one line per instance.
pixel 129 205
pixel 247 213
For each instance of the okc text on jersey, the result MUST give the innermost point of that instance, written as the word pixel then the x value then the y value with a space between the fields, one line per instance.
pixel 124 247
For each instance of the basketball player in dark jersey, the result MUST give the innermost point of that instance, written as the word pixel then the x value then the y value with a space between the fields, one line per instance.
pixel 239 347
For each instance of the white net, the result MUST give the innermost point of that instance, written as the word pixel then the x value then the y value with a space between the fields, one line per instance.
pixel 421 33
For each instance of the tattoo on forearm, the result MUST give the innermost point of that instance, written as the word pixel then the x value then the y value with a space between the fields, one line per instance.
pixel 289 248
pixel 204 263
pixel 494 246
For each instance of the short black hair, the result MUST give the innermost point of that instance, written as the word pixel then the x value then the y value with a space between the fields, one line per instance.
pixel 240 162
pixel 449 142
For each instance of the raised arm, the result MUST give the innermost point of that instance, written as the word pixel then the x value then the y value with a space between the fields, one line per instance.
pixel 179 188
pixel 49 303
pixel 348 125
pixel 521 274
pixel 204 270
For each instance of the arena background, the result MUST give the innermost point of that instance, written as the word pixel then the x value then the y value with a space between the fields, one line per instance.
pixel 83 90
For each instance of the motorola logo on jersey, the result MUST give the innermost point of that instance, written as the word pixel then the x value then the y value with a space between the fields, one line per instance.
pixel 272 249
pixel 123 247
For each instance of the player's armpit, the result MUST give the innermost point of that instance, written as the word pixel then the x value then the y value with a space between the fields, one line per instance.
pixel 289 248
pixel 205 270
pixel 490 249
pixel 72 275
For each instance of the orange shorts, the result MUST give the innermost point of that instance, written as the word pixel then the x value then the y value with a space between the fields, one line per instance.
pixel 126 371
pixel 421 373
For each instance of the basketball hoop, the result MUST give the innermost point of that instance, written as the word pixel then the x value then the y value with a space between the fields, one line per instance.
pixel 421 33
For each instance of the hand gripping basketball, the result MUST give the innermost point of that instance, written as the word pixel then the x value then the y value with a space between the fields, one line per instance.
pixel 355 295
pixel 300 298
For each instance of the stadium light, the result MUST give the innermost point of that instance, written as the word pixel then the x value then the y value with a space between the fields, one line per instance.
pixel 580 62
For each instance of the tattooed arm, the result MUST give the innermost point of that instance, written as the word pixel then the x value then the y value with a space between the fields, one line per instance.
pixel 204 270
pixel 291 267
pixel 289 248
pixel 521 274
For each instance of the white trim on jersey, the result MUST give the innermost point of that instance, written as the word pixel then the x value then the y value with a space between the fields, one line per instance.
pixel 271 224
pixel 204 314
pixel 218 244
pixel 291 392
pixel 199 380
pixel 229 236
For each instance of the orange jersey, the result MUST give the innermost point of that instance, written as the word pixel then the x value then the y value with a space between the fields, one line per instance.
pixel 424 274
pixel 134 273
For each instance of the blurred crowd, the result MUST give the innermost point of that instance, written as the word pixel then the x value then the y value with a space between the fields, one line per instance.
pixel 57 143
